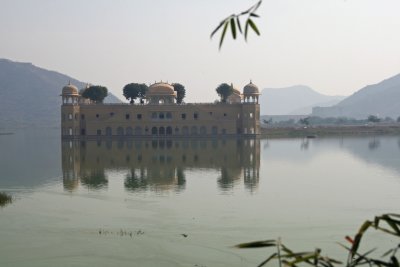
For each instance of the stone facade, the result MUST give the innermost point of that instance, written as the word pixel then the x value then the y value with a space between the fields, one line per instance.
pixel 160 116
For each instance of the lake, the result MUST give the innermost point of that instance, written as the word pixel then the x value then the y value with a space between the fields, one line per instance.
pixel 187 202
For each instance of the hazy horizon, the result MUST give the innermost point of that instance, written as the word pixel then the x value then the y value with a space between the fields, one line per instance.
pixel 336 47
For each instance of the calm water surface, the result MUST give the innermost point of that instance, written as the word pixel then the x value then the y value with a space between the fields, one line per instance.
pixel 187 202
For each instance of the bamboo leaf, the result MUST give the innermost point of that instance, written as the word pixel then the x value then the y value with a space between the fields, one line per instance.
pixel 223 34
pixel 363 257
pixel 253 26
pixel 395 261
pixel 356 244
pixel 254 15
pixel 364 227
pixel 267 260
pixel 257 244
pixel 257 5
pixel 233 28
pixel 238 24
pixel 332 260
pixel 246 29
pixel 216 29
pixel 376 222
pixel 387 252
pixel 391 223
pixel 244 12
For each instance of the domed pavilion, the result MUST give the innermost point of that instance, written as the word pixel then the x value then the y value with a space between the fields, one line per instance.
pixel 250 93
pixel 161 93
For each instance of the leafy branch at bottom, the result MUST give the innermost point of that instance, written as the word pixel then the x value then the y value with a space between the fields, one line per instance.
pixel 388 224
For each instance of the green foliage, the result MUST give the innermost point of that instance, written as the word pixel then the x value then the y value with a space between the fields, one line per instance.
pixel 134 90
pixel 386 224
pixel 95 93
pixel 373 118
pixel 235 24
pixel 224 90
pixel 180 92
pixel 305 121
pixel 318 121
pixel 95 179
pixel 5 199
pixel 142 92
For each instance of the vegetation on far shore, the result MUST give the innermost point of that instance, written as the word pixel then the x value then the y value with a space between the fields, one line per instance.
pixel 5 199
pixel 354 130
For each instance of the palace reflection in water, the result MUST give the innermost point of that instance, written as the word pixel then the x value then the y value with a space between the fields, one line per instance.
pixel 159 165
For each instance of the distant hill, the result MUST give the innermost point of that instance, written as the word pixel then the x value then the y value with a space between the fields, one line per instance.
pixel 381 99
pixel 297 100
pixel 30 96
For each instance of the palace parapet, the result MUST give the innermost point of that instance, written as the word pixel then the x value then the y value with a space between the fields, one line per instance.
pixel 160 116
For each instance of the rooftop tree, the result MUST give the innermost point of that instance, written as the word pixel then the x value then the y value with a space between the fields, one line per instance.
pixel 95 93
pixel 180 92
pixel 224 90
pixel 142 92
pixel 131 91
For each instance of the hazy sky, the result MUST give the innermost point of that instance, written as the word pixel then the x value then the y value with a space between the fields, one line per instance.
pixel 334 46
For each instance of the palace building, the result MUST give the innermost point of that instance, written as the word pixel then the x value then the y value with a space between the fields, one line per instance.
pixel 160 115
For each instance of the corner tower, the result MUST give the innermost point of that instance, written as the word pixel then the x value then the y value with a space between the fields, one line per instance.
pixel 70 110
pixel 251 110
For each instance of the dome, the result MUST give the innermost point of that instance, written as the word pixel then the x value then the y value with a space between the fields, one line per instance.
pixel 251 89
pixel 160 88
pixel 70 90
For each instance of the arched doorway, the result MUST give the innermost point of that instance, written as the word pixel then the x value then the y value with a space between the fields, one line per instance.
pixel 193 130
pixel 169 130
pixel 138 130
pixel 129 131
pixel 185 130
pixel 203 130
pixel 108 131
pixel 120 131
pixel 154 131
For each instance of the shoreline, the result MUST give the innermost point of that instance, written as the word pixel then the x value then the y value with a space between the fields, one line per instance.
pixel 321 131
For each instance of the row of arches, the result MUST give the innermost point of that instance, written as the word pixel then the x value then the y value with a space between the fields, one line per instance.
pixel 162 131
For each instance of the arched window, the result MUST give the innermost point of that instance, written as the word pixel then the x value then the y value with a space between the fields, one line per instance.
pixel 108 131
pixel 128 130
pixel 214 130
pixel 154 131
pixel 138 130
pixel 161 131
pixel 193 130
pixel 185 130
pixel 169 130
pixel 203 130
pixel 120 131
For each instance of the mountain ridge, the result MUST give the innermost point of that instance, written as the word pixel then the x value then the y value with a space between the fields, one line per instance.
pixel 289 100
pixel 381 99
pixel 30 95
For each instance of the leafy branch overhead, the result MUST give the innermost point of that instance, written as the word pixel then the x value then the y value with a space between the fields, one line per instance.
pixel 233 22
